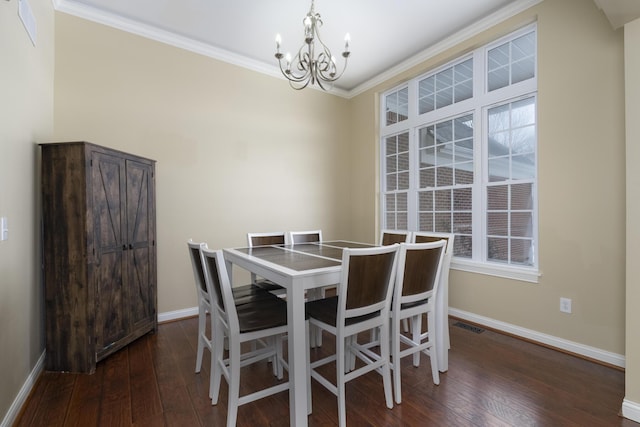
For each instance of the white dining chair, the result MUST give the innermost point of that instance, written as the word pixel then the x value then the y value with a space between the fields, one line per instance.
pixel 429 236
pixel 247 294
pixel 416 286
pixel 362 304
pixel 264 321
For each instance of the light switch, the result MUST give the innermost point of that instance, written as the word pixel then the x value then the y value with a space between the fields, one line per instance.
pixel 4 228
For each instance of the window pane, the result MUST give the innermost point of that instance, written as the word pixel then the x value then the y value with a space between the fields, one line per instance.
pixel 499 119
pixel 464 173
pixel 426 97
pixel 403 181
pixel 498 223
pixel 444 97
pixel 497 249
pixel 498 57
pixel 462 223
pixel 397 106
pixel 444 132
pixel 391 220
pixel 426 136
pixel 425 222
pixel 392 182
pixel 462 199
pixel 391 145
pixel 403 142
pixel 511 62
pixel 523 112
pixel 445 176
pixel 390 201
pixel 498 78
pixel 522 196
pixel 463 246
pixel 442 200
pixel 425 199
pixel 521 224
pixel 444 79
pixel 521 252
pixel 401 222
pixel 524 167
pixel 401 202
pixel 523 140
pixel 498 169
pixel 403 162
pixel 453 84
pixel 427 178
pixel 392 164
pixel 442 222
pixel 498 197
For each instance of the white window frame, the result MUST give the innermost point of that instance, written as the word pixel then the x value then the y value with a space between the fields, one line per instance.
pixel 478 105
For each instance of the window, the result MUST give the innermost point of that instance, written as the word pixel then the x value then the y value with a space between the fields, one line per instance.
pixel 460 147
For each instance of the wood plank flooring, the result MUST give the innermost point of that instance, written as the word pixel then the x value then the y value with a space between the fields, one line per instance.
pixel 493 380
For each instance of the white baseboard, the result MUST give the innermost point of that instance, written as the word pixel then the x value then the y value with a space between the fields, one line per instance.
pixel 559 343
pixel 177 314
pixel 631 410
pixel 22 396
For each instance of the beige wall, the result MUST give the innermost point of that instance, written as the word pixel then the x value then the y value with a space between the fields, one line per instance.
pixel 237 151
pixel 581 180
pixel 26 117
pixel 632 90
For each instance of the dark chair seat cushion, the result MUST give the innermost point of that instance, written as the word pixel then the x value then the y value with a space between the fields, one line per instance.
pixel 261 315
pixel 326 311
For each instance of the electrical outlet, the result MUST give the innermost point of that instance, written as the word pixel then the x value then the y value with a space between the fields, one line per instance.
pixel 565 305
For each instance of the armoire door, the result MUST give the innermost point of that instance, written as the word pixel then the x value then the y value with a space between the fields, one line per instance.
pixel 108 185
pixel 140 239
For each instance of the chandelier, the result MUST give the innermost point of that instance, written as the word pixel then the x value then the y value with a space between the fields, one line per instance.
pixel 313 63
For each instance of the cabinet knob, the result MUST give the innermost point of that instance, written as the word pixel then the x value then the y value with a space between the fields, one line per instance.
pixel 124 247
pixel 130 246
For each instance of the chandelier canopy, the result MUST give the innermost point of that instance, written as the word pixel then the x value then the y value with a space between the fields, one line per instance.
pixel 313 63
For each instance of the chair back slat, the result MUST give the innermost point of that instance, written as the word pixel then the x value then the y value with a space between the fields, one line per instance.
pixel 311 236
pixel 421 270
pixel 389 237
pixel 265 239
pixel 368 279
pixel 214 281
pixel 219 286
pixel 196 264
pixel 428 237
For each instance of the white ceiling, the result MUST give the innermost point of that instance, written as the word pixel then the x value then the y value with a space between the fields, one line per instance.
pixel 385 34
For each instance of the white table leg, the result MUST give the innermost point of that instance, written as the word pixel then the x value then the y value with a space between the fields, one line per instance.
pixel 442 326
pixel 297 356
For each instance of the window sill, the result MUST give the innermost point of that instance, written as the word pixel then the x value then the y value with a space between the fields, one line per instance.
pixel 508 272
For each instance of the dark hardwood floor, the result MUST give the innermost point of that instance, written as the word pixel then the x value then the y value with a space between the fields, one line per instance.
pixel 493 380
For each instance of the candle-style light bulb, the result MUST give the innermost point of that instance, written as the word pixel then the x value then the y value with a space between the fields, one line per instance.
pixel 347 39
pixel 278 41
pixel 287 58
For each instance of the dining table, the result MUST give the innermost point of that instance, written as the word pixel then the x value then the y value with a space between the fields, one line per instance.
pixel 300 268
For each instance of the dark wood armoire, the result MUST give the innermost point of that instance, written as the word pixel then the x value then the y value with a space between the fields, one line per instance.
pixel 99 252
